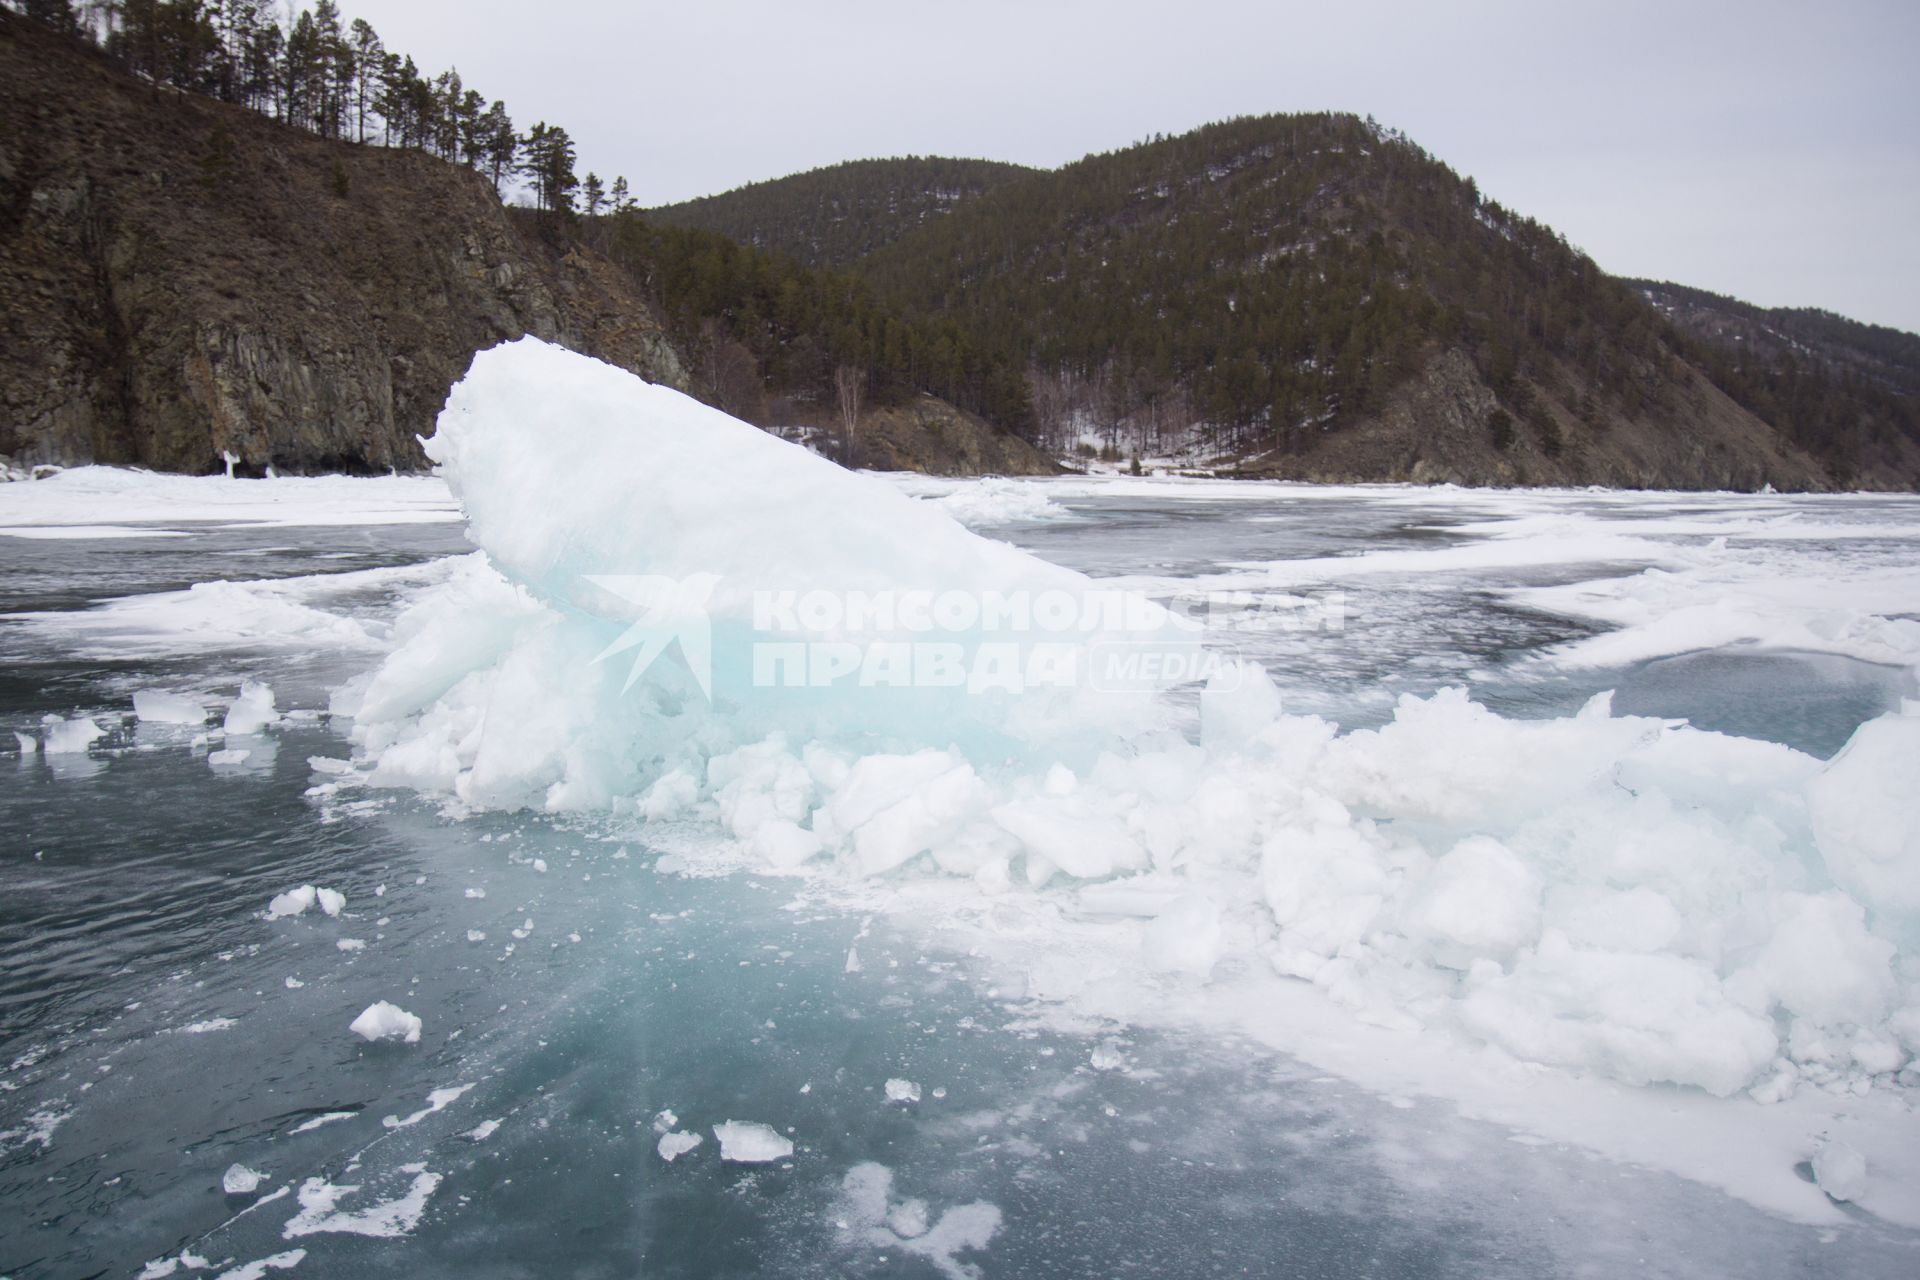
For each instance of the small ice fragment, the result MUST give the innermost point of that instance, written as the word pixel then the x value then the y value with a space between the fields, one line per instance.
pixel 291 903
pixel 853 960
pixel 331 900
pixel 228 756
pixel 484 1130
pixel 294 984
pixel 902 1091
pixel 665 1121
pixel 384 1020
pixel 70 737
pixel 239 1180
pixel 27 745
pixel 252 711
pixel 674 1145
pixel 746 1142
pixel 211 1024
pixel 329 764
pixel 472 893
pixel 1106 1057
pixel 157 706
pixel 352 944
pixel 540 865
pixel 1840 1171
pixel 475 935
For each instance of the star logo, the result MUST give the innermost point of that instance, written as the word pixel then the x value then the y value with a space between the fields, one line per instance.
pixel 663 611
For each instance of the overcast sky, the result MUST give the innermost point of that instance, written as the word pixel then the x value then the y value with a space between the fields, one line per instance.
pixel 1762 149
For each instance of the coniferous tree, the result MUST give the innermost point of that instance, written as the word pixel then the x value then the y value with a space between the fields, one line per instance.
pixel 369 60
pixel 502 143
pixel 547 159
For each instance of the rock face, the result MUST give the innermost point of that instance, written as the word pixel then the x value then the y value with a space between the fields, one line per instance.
pixel 932 436
pixel 181 279
pixel 1445 426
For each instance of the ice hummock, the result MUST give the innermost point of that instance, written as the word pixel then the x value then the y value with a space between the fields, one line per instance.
pixel 1613 895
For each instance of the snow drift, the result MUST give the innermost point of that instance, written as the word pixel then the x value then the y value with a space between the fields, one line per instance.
pixel 1615 895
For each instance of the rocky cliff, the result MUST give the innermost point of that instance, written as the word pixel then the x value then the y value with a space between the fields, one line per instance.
pixel 181 279
pixel 1445 426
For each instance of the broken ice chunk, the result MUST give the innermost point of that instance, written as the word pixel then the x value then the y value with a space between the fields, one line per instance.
pixel 384 1020
pixel 1840 1171
pixel 745 1142
pixel 252 711
pixel 239 1180
pixel 676 1144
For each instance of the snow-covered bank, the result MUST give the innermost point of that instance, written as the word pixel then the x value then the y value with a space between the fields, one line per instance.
pixel 72 503
pixel 1594 904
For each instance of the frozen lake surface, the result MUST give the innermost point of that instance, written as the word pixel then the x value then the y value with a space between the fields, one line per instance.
pixel 578 975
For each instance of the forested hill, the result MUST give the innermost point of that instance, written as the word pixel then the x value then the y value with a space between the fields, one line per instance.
pixel 190 270
pixel 183 279
pixel 1832 381
pixel 1316 296
pixel 834 216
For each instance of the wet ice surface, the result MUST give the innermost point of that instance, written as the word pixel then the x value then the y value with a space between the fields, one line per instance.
pixel 152 1037
pixel 1427 625
pixel 719 999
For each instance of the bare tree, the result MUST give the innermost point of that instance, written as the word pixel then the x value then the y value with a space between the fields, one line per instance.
pixel 849 383
pixel 731 374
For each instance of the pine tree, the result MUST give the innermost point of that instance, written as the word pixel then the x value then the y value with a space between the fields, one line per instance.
pixel 547 158
pixel 592 193
pixel 369 60
pixel 501 143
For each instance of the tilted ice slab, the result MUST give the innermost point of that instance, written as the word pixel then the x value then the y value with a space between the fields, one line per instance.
pixel 1611 897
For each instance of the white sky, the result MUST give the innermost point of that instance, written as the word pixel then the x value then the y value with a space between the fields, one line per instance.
pixel 1759 148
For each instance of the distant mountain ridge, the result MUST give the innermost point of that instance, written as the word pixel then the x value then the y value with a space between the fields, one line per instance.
pixel 1315 296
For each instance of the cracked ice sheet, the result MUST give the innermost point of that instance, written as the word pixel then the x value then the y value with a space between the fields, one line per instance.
pixel 325 612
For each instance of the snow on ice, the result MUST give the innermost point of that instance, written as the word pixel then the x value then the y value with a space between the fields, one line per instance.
pixel 869 1211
